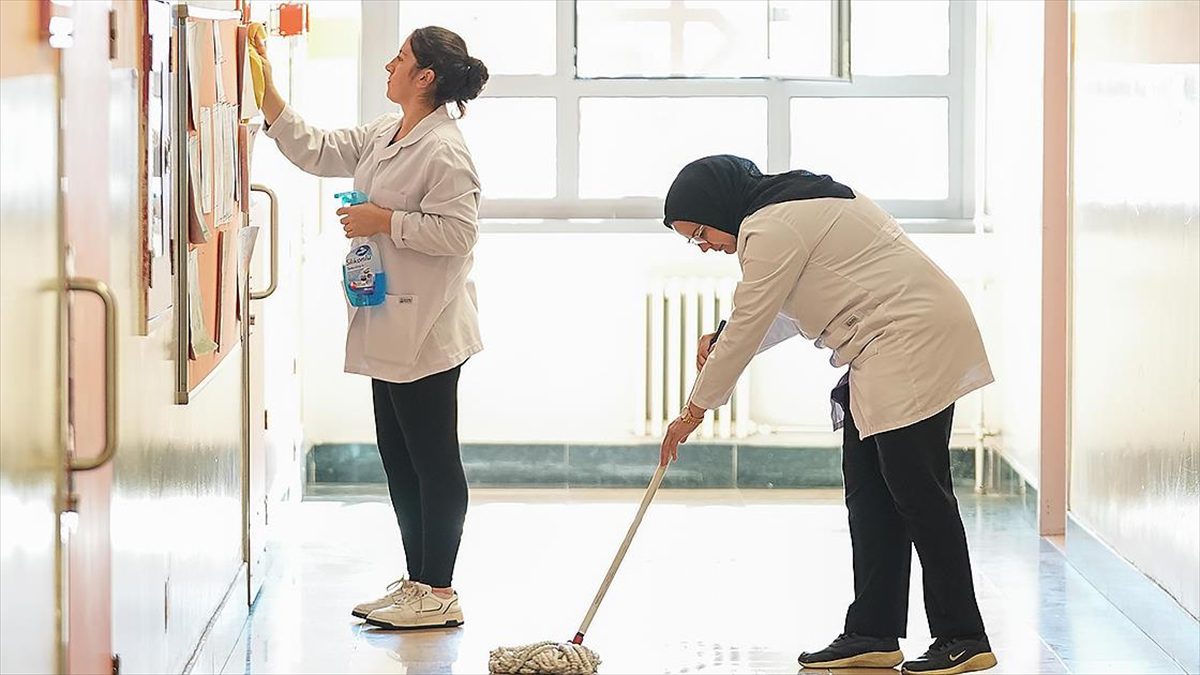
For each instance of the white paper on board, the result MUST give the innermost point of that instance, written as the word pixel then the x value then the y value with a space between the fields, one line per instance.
pixel 206 156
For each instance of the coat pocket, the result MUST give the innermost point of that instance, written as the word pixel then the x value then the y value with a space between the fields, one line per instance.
pixel 392 330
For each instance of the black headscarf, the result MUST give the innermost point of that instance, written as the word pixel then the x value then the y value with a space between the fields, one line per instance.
pixel 720 191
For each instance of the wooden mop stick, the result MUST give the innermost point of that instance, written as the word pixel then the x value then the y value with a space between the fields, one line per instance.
pixel 646 499
pixel 612 569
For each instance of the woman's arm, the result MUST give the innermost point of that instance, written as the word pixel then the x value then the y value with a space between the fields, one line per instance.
pixel 772 261
pixel 448 220
pixel 319 152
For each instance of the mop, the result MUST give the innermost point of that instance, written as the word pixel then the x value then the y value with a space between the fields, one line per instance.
pixel 572 658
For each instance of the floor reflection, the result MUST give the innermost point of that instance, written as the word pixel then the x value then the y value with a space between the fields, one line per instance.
pixel 712 584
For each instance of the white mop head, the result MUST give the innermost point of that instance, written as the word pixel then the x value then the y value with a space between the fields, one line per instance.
pixel 544 658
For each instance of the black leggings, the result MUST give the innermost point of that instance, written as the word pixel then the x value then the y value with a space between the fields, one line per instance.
pixel 416 425
pixel 899 494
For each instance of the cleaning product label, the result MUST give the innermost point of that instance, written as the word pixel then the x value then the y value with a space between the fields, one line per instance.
pixel 363 275
pixel 358 270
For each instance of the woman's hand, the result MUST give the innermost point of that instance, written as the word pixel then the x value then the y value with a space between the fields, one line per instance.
pixel 365 220
pixel 703 349
pixel 678 432
pixel 260 45
pixel 272 103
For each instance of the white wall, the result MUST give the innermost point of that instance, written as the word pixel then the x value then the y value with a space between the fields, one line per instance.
pixel 1012 202
pixel 562 320
pixel 1135 371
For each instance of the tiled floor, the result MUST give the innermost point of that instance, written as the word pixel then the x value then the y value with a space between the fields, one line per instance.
pixel 717 581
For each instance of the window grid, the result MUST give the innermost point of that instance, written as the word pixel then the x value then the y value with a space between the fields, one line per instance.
pixel 957 87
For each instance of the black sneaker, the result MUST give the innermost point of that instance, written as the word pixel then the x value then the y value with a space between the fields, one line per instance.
pixel 851 650
pixel 949 656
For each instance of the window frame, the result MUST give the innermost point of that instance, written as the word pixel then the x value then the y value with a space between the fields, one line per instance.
pixel 381 28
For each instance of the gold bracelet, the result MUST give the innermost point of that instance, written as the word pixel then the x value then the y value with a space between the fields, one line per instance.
pixel 686 415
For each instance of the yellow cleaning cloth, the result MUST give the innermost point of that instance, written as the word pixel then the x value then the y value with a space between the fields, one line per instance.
pixel 256 35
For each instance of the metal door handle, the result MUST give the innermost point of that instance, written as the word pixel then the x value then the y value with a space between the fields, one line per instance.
pixel 111 373
pixel 260 295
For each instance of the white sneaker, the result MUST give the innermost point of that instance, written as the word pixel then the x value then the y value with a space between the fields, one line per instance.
pixel 420 608
pixel 396 591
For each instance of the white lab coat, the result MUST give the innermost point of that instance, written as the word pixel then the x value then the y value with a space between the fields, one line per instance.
pixel 848 277
pixel 429 321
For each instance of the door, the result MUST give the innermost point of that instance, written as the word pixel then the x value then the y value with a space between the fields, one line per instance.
pixel 86 72
pixel 31 293
pixel 280 200
pixel 264 215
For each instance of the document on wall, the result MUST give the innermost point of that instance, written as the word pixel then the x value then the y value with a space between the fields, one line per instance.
pixel 246 238
pixel 198 231
pixel 245 138
pixel 226 276
pixel 249 104
pixel 218 163
pixel 200 341
pixel 193 74
pixel 231 158
pixel 206 154
pixel 219 59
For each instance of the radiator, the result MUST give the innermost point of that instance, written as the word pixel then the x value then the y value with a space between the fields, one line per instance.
pixel 678 312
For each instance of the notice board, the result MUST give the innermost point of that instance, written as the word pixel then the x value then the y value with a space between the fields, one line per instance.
pixel 209 195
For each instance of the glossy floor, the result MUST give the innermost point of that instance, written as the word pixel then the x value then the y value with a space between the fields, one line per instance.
pixel 717 581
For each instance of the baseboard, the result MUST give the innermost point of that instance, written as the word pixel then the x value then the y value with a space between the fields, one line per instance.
pixel 1006 478
pixel 221 635
pixel 1136 595
pixel 700 465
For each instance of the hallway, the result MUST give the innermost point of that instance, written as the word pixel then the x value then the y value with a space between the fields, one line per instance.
pixel 191 475
pixel 531 560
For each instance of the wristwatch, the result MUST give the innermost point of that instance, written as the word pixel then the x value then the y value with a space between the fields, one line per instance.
pixel 687 416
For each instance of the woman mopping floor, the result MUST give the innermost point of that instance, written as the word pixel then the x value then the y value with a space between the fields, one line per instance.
pixel 820 260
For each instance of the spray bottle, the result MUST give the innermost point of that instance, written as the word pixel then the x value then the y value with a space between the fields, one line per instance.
pixel 363 277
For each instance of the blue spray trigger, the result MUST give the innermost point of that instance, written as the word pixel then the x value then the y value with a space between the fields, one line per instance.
pixel 351 198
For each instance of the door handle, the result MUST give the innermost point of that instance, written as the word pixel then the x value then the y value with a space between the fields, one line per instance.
pixel 266 293
pixel 111 373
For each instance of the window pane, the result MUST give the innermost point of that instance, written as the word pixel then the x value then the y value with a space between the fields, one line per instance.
pixel 491 29
pixel 512 141
pixel 748 38
pixel 890 148
pixel 900 37
pixel 634 147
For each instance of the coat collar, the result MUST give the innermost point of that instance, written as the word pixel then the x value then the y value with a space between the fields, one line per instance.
pixel 432 121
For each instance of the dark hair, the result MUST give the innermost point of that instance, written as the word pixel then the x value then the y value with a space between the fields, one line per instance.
pixel 460 76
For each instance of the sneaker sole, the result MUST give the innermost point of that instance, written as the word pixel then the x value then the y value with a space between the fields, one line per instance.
pixel 359 615
pixel 452 623
pixel 867 660
pixel 975 663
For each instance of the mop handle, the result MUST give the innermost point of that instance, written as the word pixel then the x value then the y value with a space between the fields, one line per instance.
pixel 650 490
pixel 612 569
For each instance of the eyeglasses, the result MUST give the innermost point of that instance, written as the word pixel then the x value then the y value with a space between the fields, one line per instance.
pixel 696 236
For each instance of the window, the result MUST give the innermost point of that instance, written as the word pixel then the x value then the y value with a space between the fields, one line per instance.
pixel 900 38
pixel 513 37
pixel 500 131
pixel 713 38
pixel 593 106
pixel 633 147
pixel 890 148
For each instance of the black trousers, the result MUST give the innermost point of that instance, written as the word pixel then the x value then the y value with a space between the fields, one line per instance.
pixel 899 494
pixel 416 425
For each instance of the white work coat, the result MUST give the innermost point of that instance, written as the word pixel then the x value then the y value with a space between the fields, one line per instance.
pixel 845 275
pixel 429 321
